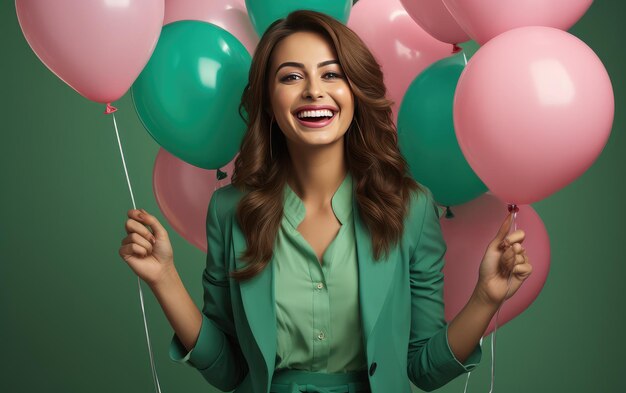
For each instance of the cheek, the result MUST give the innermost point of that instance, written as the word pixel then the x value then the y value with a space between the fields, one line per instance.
pixel 282 99
pixel 344 95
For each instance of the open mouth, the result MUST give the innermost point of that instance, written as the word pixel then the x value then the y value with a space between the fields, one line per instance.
pixel 316 116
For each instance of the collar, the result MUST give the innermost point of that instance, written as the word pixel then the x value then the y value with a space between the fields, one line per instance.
pixel 341 203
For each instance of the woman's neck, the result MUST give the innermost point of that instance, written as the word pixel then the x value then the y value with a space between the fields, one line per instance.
pixel 316 174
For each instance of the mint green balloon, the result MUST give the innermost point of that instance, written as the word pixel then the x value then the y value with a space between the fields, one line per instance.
pixel 426 134
pixel 469 48
pixel 263 13
pixel 188 94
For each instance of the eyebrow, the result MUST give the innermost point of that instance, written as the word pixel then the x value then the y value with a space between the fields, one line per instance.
pixel 300 65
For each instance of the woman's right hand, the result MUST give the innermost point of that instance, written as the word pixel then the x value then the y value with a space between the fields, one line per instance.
pixel 149 254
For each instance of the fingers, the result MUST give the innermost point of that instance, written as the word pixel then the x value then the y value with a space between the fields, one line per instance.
pixel 133 226
pixel 515 259
pixel 501 240
pixel 132 249
pixel 515 237
pixel 507 260
pixel 145 218
pixel 504 228
pixel 524 268
pixel 139 240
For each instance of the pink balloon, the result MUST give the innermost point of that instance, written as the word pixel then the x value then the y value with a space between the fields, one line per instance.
pixel 400 45
pixel 97 47
pixel 485 19
pixel 230 15
pixel 434 17
pixel 533 109
pixel 183 192
pixel 467 235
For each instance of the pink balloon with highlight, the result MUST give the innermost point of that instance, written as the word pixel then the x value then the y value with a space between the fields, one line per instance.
pixel 533 109
pixel 434 18
pixel 485 19
pixel 401 46
pixel 230 15
pixel 183 192
pixel 97 47
pixel 474 225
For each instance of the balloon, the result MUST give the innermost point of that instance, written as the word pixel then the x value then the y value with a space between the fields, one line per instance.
pixel 426 134
pixel 97 47
pixel 400 46
pixel 183 193
pixel 189 93
pixel 263 13
pixel 467 235
pixel 230 15
pixel 469 48
pixel 485 19
pixel 434 18
pixel 532 111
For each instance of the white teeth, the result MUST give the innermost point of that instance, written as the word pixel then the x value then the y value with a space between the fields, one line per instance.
pixel 320 113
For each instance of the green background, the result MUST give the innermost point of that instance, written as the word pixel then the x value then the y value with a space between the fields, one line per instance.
pixel 70 316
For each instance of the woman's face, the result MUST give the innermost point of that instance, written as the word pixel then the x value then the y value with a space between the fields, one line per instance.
pixel 309 94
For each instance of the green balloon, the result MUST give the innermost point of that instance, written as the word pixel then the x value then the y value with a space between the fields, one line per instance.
pixel 188 95
pixel 469 48
pixel 426 134
pixel 263 13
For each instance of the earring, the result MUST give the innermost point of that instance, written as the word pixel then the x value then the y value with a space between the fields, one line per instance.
pixel 271 122
pixel 360 131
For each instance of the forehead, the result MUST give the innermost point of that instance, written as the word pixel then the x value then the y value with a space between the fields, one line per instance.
pixel 303 47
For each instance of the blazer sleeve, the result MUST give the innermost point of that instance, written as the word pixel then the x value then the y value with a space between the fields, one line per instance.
pixel 431 362
pixel 217 354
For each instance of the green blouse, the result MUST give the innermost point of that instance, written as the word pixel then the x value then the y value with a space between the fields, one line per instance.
pixel 317 306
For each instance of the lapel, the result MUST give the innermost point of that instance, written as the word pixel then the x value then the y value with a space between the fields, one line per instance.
pixel 257 294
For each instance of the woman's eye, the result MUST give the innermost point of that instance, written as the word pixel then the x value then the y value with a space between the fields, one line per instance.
pixel 293 77
pixel 333 75
pixel 290 77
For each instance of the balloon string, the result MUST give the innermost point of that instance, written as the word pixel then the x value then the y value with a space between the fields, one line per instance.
pixel 514 209
pixel 111 110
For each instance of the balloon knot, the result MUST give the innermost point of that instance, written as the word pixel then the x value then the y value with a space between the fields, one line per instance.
pixel 456 48
pixel 513 207
pixel 449 213
pixel 221 174
pixel 110 109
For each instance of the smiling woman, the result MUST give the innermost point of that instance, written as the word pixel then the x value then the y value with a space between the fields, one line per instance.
pixel 310 99
pixel 325 258
pixel 306 63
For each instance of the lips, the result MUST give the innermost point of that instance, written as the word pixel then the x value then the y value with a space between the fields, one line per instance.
pixel 331 108
pixel 315 124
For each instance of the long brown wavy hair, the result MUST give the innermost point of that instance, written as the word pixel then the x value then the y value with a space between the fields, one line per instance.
pixel 373 158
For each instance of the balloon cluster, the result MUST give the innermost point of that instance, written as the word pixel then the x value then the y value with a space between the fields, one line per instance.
pixel 528 113
pixel 186 63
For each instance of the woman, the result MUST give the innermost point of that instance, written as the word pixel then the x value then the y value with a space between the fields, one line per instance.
pixel 324 260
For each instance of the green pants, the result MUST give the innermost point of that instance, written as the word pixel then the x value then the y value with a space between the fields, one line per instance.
pixel 296 381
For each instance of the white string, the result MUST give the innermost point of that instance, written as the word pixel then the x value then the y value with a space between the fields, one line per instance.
pixel 155 378
pixel 493 335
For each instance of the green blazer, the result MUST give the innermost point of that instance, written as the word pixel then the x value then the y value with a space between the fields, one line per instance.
pixel 401 305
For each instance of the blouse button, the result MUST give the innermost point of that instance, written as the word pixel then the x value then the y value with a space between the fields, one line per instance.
pixel 320 285
pixel 321 336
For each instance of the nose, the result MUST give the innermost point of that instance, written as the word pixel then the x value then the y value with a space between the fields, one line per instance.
pixel 313 89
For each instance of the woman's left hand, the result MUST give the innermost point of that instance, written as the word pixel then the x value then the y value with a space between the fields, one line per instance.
pixel 503 254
